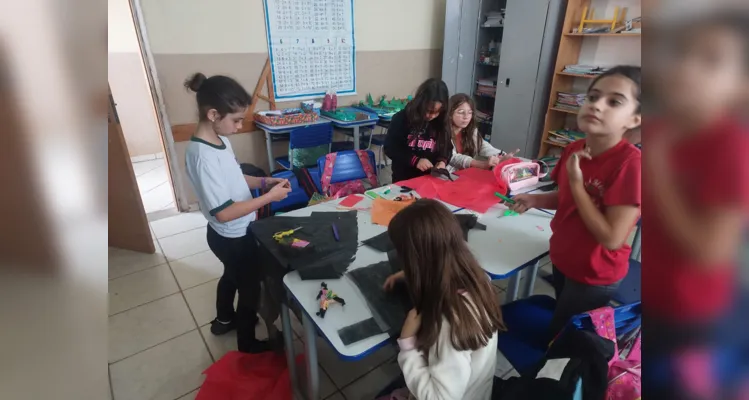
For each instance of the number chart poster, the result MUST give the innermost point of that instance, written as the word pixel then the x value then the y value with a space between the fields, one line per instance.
pixel 311 47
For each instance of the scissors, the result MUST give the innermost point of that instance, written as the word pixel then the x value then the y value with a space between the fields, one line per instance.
pixel 278 236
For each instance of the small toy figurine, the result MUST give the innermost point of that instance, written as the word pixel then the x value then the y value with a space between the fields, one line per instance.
pixel 325 296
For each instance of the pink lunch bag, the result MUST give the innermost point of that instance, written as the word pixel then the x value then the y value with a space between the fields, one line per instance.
pixel 521 174
pixel 624 372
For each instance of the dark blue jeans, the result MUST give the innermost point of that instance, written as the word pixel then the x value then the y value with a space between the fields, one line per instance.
pixel 574 298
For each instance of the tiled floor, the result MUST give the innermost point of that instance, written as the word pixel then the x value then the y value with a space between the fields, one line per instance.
pixel 153 184
pixel 159 309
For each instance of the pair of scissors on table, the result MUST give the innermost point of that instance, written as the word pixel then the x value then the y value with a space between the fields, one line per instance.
pixel 278 236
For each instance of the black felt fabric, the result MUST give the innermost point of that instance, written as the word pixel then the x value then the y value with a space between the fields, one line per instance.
pixel 389 308
pixel 359 331
pixel 326 258
pixel 380 242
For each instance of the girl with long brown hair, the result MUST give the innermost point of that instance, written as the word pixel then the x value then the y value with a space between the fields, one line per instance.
pixel 448 343
pixel 470 150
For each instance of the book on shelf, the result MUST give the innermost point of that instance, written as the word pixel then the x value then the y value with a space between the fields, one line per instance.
pixel 569 101
pixel 564 136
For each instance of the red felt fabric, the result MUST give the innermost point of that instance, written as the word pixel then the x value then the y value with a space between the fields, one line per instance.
pixel 242 376
pixel 351 200
pixel 474 189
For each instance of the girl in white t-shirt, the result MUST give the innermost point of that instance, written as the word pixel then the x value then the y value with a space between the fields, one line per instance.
pixel 227 203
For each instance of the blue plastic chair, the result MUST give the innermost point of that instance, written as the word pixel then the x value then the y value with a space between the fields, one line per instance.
pixel 527 320
pixel 347 166
pixel 298 197
pixel 309 136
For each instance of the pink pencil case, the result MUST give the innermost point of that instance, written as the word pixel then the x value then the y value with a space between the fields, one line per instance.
pixel 522 174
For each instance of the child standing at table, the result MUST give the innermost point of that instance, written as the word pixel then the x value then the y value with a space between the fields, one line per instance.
pixel 227 203
pixel 448 344
pixel 468 145
pixel 598 201
pixel 417 140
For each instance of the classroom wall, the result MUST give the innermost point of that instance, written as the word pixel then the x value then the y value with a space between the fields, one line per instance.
pixel 399 45
pixel 127 79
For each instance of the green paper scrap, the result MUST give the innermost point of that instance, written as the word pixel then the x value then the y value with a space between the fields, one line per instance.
pixel 510 213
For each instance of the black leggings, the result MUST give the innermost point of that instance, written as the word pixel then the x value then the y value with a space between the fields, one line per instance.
pixel 574 298
pixel 242 274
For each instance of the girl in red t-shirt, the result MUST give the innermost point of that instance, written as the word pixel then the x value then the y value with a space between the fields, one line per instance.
pixel 598 201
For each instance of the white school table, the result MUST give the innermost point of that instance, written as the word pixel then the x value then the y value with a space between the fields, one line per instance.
pixel 508 245
pixel 280 129
pixel 355 125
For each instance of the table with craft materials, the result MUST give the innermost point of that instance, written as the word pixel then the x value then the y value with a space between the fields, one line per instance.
pixel 509 244
pixel 271 130
pixel 354 125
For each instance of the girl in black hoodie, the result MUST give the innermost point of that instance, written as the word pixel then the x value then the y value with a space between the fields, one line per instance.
pixel 418 139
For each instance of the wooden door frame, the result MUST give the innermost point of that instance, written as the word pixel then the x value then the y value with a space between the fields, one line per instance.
pixel 167 138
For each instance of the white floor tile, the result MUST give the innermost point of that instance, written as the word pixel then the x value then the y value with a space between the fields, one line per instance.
pixel 142 167
pixel 123 262
pixel 344 372
pixel 184 244
pixel 190 396
pixel 164 372
pixel 202 301
pixel 296 325
pixel 153 178
pixel 179 223
pixel 141 287
pixel 370 385
pixel 157 198
pixel 148 325
pixel 197 269
pixel 543 287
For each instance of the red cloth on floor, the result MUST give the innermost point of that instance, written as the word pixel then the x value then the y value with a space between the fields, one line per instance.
pixel 242 376
pixel 474 189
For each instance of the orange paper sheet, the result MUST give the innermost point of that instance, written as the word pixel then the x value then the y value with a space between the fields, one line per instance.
pixel 384 210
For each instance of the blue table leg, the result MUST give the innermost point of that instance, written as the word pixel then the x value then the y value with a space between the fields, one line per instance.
pixel 269 149
pixel 310 349
pixel 530 280
pixel 512 287
pixel 288 341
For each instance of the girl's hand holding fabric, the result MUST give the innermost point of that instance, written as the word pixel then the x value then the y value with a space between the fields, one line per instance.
pixel 440 165
pixel 573 166
pixel 412 324
pixel 275 181
pixel 505 157
pixel 424 165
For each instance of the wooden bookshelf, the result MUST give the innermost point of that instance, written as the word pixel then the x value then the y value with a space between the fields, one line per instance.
pixel 570 45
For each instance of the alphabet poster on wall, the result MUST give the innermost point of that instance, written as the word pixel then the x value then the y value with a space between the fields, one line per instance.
pixel 311 46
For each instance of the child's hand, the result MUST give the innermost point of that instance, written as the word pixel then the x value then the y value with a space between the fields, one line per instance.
pixel 523 202
pixel 493 161
pixel 270 182
pixel 424 165
pixel 506 157
pixel 393 279
pixel 280 191
pixel 440 165
pixel 412 325
pixel 574 172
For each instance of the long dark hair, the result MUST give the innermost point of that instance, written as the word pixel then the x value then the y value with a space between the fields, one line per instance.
pixel 468 141
pixel 432 90
pixel 218 92
pixel 439 265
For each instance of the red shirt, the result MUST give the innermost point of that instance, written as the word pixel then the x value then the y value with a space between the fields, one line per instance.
pixel 711 170
pixel 612 178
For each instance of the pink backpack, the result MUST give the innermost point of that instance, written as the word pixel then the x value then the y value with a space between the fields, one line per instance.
pixel 343 189
pixel 624 373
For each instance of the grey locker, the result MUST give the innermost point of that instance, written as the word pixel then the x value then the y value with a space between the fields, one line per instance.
pixel 529 42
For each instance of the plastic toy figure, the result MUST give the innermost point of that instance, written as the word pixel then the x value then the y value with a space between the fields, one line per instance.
pixel 325 296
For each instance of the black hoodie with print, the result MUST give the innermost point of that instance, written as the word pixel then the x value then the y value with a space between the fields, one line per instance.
pixel 406 145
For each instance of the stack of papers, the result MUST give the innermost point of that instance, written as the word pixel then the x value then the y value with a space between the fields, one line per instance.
pixel 569 101
pixel 564 136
